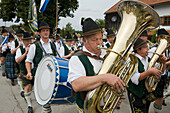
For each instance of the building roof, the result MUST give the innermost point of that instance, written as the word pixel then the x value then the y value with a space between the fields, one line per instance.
pixel 149 2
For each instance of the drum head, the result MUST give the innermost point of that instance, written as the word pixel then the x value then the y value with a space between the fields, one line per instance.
pixel 45 80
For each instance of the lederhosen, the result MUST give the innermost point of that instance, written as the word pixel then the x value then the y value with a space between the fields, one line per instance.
pixel 139 97
pixel 39 54
pixel 23 70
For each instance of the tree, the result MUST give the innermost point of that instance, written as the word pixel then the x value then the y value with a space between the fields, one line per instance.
pixel 100 22
pixel 67 29
pixel 10 9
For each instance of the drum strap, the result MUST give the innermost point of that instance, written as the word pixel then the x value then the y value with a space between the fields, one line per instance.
pixel 55 49
pixel 42 48
pixel 88 54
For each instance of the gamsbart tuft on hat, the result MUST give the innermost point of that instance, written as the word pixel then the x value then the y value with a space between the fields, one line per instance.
pixel 139 43
pixel 89 27
pixel 43 25
pixel 162 32
pixel 110 33
pixel 27 36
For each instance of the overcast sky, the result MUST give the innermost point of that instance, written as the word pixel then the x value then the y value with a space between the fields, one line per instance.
pixel 87 8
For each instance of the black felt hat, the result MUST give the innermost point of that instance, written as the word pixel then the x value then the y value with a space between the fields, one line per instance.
pixel 4 30
pixel 43 25
pixel 19 32
pixel 57 37
pixel 27 36
pixel 139 43
pixel 144 33
pixel 162 32
pixel 69 37
pixel 89 27
pixel 110 33
pixel 11 36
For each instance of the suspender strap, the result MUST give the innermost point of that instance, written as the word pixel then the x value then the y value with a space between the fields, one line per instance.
pixel 88 54
pixel 42 48
pixel 55 49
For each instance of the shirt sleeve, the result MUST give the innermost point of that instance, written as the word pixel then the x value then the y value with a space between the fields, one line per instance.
pixel 4 48
pixel 76 69
pixel 31 54
pixel 135 77
pixel 12 45
pixel 18 53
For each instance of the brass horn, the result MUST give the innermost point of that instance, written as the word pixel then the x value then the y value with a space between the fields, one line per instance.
pixel 136 17
pixel 151 81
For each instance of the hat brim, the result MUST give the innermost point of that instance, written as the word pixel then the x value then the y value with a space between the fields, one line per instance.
pixel 28 38
pixel 19 34
pixel 69 39
pixel 43 27
pixel 140 45
pixel 110 35
pixel 91 32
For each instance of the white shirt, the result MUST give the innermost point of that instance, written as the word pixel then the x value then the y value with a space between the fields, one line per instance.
pixel 4 47
pixel 135 77
pixel 60 48
pixel 31 52
pixel 76 68
pixel 13 44
pixel 18 54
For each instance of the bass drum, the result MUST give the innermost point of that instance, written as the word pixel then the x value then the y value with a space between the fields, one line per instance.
pixel 50 85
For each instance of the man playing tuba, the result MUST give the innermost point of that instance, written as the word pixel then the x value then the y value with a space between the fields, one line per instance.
pixel 84 65
pixel 139 97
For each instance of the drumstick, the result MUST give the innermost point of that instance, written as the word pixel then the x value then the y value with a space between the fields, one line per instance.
pixel 25 76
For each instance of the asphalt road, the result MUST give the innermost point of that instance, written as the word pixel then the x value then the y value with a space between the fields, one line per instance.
pixel 12 102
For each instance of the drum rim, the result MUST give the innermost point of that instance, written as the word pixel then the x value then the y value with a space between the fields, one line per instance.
pixel 55 88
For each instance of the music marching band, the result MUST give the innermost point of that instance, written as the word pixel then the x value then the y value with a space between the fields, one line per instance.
pixel 91 74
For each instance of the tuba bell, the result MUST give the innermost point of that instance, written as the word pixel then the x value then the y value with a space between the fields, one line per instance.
pixel 136 17
pixel 151 81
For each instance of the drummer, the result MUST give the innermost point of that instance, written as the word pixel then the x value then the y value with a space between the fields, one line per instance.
pixel 20 59
pixel 38 50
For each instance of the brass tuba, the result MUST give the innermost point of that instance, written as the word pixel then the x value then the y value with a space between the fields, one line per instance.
pixel 136 17
pixel 151 81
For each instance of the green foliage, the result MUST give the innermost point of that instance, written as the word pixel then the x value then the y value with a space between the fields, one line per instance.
pixel 69 29
pixel 100 22
pixel 153 39
pixel 10 9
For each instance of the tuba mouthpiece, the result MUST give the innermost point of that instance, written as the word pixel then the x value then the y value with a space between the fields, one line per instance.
pixel 98 47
